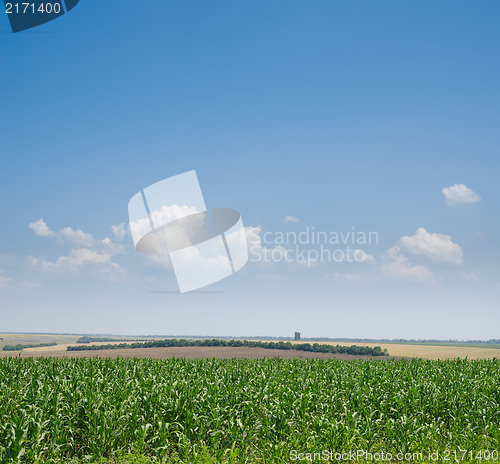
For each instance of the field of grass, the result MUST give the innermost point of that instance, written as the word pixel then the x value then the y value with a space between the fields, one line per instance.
pixel 34 339
pixel 76 410
pixel 445 343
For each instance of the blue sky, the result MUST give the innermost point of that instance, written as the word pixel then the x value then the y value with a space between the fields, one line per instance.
pixel 339 114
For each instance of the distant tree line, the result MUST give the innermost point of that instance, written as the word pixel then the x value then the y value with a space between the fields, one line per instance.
pixel 87 339
pixel 99 339
pixel 20 347
pixel 315 347
pixel 94 339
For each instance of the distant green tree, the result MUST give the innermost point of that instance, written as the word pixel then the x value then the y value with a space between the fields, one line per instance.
pixel 20 347
pixel 316 347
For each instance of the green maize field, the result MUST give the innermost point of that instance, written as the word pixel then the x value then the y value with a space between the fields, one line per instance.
pixel 175 410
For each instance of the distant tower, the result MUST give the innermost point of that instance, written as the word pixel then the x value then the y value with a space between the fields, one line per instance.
pixel 297 335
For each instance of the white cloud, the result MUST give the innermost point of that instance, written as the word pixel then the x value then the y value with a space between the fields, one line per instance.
pixel 360 256
pixel 349 277
pixel 119 231
pixel 438 247
pixel 395 264
pixel 77 237
pixel 291 219
pixel 41 229
pixel 460 194
pixel 68 235
pixel 171 213
pixel 87 253
pixel 165 215
pixel 74 260
pixel 96 262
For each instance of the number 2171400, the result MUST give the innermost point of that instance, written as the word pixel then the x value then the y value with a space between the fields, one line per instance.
pixel 32 8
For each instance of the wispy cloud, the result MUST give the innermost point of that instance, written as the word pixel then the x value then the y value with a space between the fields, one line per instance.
pixel 10 283
pixel 470 276
pixel 271 277
pixel 5 281
pixel 86 254
pixel 258 252
pixel 291 219
pixel 120 231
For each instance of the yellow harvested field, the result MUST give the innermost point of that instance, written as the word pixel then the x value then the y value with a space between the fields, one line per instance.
pixel 57 348
pixel 428 351
pixel 62 341
pixel 34 339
